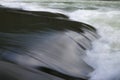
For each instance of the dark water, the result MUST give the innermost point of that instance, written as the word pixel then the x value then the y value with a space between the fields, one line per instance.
pixel 44 43
pixel 43 46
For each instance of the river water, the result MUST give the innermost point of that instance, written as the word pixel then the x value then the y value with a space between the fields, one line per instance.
pixel 104 16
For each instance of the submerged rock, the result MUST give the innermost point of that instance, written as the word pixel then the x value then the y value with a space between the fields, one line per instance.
pixel 43 45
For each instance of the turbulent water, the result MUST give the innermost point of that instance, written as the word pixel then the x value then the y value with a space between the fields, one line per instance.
pixel 105 17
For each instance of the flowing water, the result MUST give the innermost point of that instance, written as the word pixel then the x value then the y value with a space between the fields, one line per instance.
pixel 104 16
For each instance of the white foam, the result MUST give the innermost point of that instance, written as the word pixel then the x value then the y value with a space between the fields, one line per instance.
pixel 105 55
pixel 31 6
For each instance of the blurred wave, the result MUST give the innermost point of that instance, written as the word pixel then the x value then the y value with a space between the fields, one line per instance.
pixel 43 45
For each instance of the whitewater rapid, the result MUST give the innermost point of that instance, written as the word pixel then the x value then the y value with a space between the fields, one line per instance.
pixel 105 54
